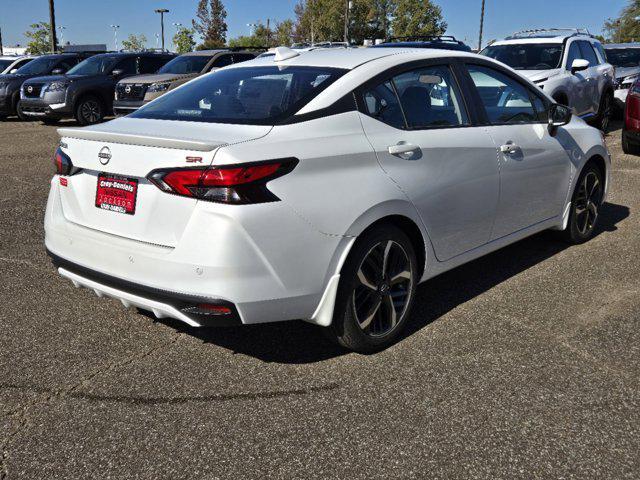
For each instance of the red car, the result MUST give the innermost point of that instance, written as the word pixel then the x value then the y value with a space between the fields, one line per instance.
pixel 631 129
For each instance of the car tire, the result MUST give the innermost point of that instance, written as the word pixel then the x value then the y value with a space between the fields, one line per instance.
pixel 20 114
pixel 89 110
pixel 50 121
pixel 605 112
pixel 629 147
pixel 376 290
pixel 587 199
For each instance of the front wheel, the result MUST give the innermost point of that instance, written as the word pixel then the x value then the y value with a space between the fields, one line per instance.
pixel 376 291
pixel 89 111
pixel 605 112
pixel 585 205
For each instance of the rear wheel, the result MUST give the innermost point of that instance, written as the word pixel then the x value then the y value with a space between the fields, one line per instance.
pixel 629 147
pixel 89 110
pixel 376 290
pixel 605 112
pixel 585 205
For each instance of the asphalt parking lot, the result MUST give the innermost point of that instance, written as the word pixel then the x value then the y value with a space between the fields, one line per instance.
pixel 524 364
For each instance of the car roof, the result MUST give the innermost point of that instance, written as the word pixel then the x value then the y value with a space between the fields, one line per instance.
pixel 615 46
pixel 426 44
pixel 344 58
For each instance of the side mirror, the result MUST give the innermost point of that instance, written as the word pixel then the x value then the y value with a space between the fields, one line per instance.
pixel 559 115
pixel 57 71
pixel 579 65
pixel 117 72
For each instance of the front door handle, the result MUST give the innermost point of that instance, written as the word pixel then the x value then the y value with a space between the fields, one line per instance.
pixel 404 150
pixel 509 148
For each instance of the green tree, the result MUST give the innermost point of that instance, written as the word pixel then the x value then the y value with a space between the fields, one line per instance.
pixel 39 38
pixel 211 24
pixel 417 17
pixel 134 42
pixel 626 27
pixel 284 33
pixel 183 40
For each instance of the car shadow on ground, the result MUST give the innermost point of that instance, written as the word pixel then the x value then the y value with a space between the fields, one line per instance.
pixel 297 342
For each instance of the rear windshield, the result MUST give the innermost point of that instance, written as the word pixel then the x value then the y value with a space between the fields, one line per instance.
pixel 95 65
pixel 623 57
pixel 527 56
pixel 246 95
pixel 185 64
pixel 39 66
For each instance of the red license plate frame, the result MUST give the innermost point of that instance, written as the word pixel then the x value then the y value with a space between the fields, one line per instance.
pixel 115 193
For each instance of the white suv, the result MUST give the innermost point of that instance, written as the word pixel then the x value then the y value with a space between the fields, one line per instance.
pixel 568 64
pixel 11 63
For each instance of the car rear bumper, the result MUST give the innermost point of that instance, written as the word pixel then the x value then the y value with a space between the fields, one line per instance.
pixel 218 260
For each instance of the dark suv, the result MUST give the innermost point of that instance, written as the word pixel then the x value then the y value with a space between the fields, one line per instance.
pixel 86 91
pixel 444 42
pixel 133 92
pixel 45 65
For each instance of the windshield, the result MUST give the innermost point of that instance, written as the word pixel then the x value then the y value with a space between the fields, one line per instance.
pixel 250 95
pixel 527 56
pixel 95 65
pixel 624 57
pixel 39 66
pixel 186 64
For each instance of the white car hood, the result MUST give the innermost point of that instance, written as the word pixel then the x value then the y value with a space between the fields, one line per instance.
pixel 199 136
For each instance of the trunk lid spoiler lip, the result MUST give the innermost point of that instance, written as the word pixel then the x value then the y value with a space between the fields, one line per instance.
pixel 142 139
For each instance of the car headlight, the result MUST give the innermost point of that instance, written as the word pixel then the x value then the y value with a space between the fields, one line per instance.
pixel 159 87
pixel 57 86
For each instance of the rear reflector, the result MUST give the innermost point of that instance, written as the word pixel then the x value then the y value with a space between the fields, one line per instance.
pixel 229 184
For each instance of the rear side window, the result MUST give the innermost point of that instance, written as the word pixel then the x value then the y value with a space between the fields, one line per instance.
pixel 222 61
pixel 381 103
pixel 588 53
pixel 243 95
pixel 505 100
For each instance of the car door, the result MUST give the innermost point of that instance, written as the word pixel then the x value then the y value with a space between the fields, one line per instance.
pixel 596 75
pixel 426 140
pixel 534 166
pixel 577 85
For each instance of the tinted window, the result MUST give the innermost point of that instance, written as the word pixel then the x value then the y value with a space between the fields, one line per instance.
pixel 39 66
pixel 541 108
pixel 5 63
pixel 505 100
pixel 258 95
pixel 588 53
pixel 381 103
pixel 64 66
pixel 574 54
pixel 601 52
pixel 242 57
pixel 185 64
pixel 151 64
pixel 223 61
pixel 430 98
pixel 96 65
pixel 129 66
pixel 624 57
pixel 533 56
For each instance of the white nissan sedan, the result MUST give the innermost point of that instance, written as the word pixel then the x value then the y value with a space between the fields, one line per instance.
pixel 323 186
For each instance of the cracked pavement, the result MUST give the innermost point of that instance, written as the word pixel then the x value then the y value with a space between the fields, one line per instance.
pixel 523 364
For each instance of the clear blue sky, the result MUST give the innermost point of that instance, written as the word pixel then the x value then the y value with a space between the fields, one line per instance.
pixel 87 21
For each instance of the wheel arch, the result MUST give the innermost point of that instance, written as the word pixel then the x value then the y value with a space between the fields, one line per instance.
pixel 88 92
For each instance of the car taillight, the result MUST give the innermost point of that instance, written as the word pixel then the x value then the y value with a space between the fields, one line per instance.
pixel 63 164
pixel 235 184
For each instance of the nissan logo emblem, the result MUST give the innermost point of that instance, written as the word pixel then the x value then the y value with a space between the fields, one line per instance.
pixel 104 155
pixel 127 89
pixel 29 89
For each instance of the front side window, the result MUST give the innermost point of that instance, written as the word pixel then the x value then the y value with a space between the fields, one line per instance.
pixel 588 53
pixel 185 64
pixel 574 54
pixel 527 56
pixel 250 95
pixel 505 100
pixel 96 65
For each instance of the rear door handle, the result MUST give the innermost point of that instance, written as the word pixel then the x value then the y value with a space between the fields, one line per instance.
pixel 404 150
pixel 509 148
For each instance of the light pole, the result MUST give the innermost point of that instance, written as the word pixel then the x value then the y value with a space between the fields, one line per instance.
pixel 481 26
pixel 347 9
pixel 252 27
pixel 52 26
pixel 62 29
pixel 115 36
pixel 1 50
pixel 162 11
pixel 177 25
